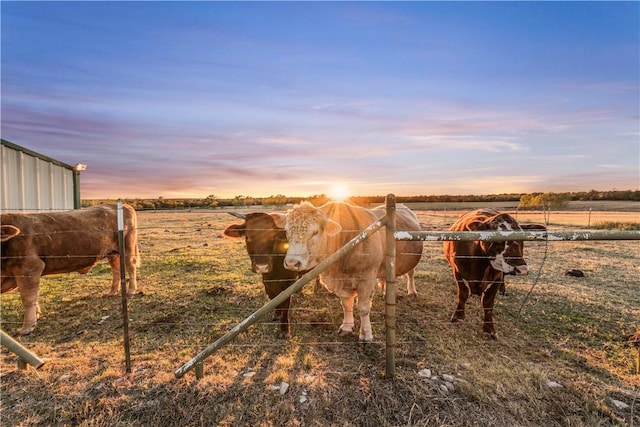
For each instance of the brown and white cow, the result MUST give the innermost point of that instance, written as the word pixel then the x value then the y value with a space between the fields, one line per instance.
pixel 267 247
pixel 39 244
pixel 315 233
pixel 479 267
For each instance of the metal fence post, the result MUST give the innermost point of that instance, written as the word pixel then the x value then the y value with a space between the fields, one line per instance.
pixel 123 288
pixel 390 287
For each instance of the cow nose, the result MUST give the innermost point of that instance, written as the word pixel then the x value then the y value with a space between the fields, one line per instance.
pixel 522 270
pixel 292 264
pixel 262 268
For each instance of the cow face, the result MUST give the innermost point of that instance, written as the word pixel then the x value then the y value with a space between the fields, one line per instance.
pixel 503 256
pixel 263 238
pixel 307 228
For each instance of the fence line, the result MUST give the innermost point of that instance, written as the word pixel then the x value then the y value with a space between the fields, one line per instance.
pixel 440 236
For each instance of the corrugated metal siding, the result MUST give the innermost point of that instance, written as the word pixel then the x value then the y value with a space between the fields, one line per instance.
pixel 33 183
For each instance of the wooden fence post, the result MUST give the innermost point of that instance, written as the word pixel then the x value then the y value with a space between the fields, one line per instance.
pixel 24 355
pixel 271 305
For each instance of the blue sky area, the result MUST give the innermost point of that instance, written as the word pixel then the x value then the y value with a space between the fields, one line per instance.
pixel 188 99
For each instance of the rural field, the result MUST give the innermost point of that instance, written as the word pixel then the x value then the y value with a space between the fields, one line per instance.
pixel 562 356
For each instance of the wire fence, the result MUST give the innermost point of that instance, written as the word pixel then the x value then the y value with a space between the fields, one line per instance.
pixel 194 247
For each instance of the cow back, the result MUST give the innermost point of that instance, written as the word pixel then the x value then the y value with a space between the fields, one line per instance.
pixel 408 252
pixel 66 241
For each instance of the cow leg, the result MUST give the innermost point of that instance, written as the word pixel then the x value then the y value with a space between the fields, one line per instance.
pixel 488 300
pixel 282 316
pixel 114 262
pixel 348 321
pixel 411 285
pixel 382 284
pixel 131 265
pixel 364 309
pixel 463 295
pixel 273 288
pixel 29 289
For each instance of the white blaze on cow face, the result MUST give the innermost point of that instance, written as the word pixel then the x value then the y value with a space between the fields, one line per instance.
pixel 510 259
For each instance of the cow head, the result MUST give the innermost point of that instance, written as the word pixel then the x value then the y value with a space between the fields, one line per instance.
pixel 307 228
pixel 262 237
pixel 504 256
pixel 8 232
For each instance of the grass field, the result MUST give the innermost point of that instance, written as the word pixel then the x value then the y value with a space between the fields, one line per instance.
pixel 561 358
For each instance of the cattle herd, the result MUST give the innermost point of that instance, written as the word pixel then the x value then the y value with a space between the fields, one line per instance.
pixel 281 246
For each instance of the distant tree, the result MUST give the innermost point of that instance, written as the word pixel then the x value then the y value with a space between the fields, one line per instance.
pixel 212 201
pixel 531 201
pixel 546 200
pixel 277 200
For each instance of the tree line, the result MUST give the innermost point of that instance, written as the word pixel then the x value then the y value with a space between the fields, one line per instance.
pixel 525 201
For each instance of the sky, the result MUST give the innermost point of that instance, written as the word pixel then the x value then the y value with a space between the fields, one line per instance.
pixel 191 99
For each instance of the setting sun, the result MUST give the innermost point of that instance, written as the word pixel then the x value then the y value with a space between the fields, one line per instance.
pixel 339 192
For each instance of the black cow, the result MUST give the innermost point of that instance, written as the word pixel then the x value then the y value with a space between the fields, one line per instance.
pixel 267 246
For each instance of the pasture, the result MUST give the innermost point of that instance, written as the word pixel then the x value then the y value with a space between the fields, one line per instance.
pixel 561 359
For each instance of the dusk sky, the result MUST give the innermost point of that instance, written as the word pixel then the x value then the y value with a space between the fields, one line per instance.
pixel 189 99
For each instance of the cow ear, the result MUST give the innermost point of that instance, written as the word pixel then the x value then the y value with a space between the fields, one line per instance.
pixel 332 228
pixel 235 231
pixel 8 232
pixel 476 226
pixel 533 227
pixel 279 218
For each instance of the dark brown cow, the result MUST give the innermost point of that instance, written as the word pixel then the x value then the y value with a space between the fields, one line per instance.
pixel 267 247
pixel 39 244
pixel 479 267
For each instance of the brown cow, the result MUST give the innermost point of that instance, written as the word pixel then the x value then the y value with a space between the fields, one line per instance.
pixel 39 244
pixel 479 267
pixel 316 233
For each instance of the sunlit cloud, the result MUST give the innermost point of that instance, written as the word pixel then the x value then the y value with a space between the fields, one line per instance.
pixel 464 142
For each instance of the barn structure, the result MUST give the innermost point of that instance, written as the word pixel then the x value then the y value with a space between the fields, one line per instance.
pixel 31 181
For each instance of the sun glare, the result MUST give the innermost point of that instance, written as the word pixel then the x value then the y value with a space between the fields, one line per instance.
pixel 339 193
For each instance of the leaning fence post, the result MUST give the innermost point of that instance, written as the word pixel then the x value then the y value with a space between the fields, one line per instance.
pixel 390 287
pixel 271 305
pixel 24 355
pixel 123 288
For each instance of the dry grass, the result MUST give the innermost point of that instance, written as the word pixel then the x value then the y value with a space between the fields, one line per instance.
pixel 197 286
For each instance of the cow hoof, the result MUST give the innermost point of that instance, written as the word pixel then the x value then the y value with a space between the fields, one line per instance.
pixel 343 333
pixel 23 332
pixel 284 335
pixel 491 335
pixel 456 319
pixel 366 340
pixel 108 294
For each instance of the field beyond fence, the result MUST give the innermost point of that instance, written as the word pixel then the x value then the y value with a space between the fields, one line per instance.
pixel 562 357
